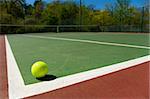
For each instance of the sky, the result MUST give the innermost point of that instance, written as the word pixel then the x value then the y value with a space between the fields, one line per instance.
pixel 99 4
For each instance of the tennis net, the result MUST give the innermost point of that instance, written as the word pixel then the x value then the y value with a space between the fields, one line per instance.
pixel 9 28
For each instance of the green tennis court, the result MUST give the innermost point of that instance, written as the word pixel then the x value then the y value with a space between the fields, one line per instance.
pixel 70 53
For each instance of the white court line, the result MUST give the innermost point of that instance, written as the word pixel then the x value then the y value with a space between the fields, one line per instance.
pixel 17 88
pixel 15 79
pixel 89 41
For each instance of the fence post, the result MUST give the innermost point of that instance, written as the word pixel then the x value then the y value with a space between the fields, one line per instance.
pixel 57 28
pixel 142 19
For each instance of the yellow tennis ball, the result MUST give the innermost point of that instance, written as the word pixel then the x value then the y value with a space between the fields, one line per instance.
pixel 39 69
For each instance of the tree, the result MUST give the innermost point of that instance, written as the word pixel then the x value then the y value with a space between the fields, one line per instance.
pixel 38 8
pixel 18 4
pixel 121 12
pixel 50 15
pixel 69 13
pixel 60 13
pixel 12 10
pixel 29 10
pixel 102 18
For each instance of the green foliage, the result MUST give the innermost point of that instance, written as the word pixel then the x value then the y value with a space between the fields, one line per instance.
pixel 6 18
pixel 29 10
pixel 69 12
pixel 38 9
pixel 11 12
pixel 102 18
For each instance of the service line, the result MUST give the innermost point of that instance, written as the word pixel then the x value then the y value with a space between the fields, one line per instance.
pixel 89 41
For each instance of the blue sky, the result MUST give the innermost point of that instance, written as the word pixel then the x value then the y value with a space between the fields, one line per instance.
pixel 99 4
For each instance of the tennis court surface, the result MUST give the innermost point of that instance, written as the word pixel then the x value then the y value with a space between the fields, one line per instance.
pixel 102 61
pixel 92 49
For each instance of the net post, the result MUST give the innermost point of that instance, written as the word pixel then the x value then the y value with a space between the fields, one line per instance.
pixel 57 29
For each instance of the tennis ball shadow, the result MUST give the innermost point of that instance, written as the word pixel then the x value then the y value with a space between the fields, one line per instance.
pixel 47 78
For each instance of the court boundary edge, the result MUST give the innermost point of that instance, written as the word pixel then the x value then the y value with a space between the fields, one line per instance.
pixel 25 92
